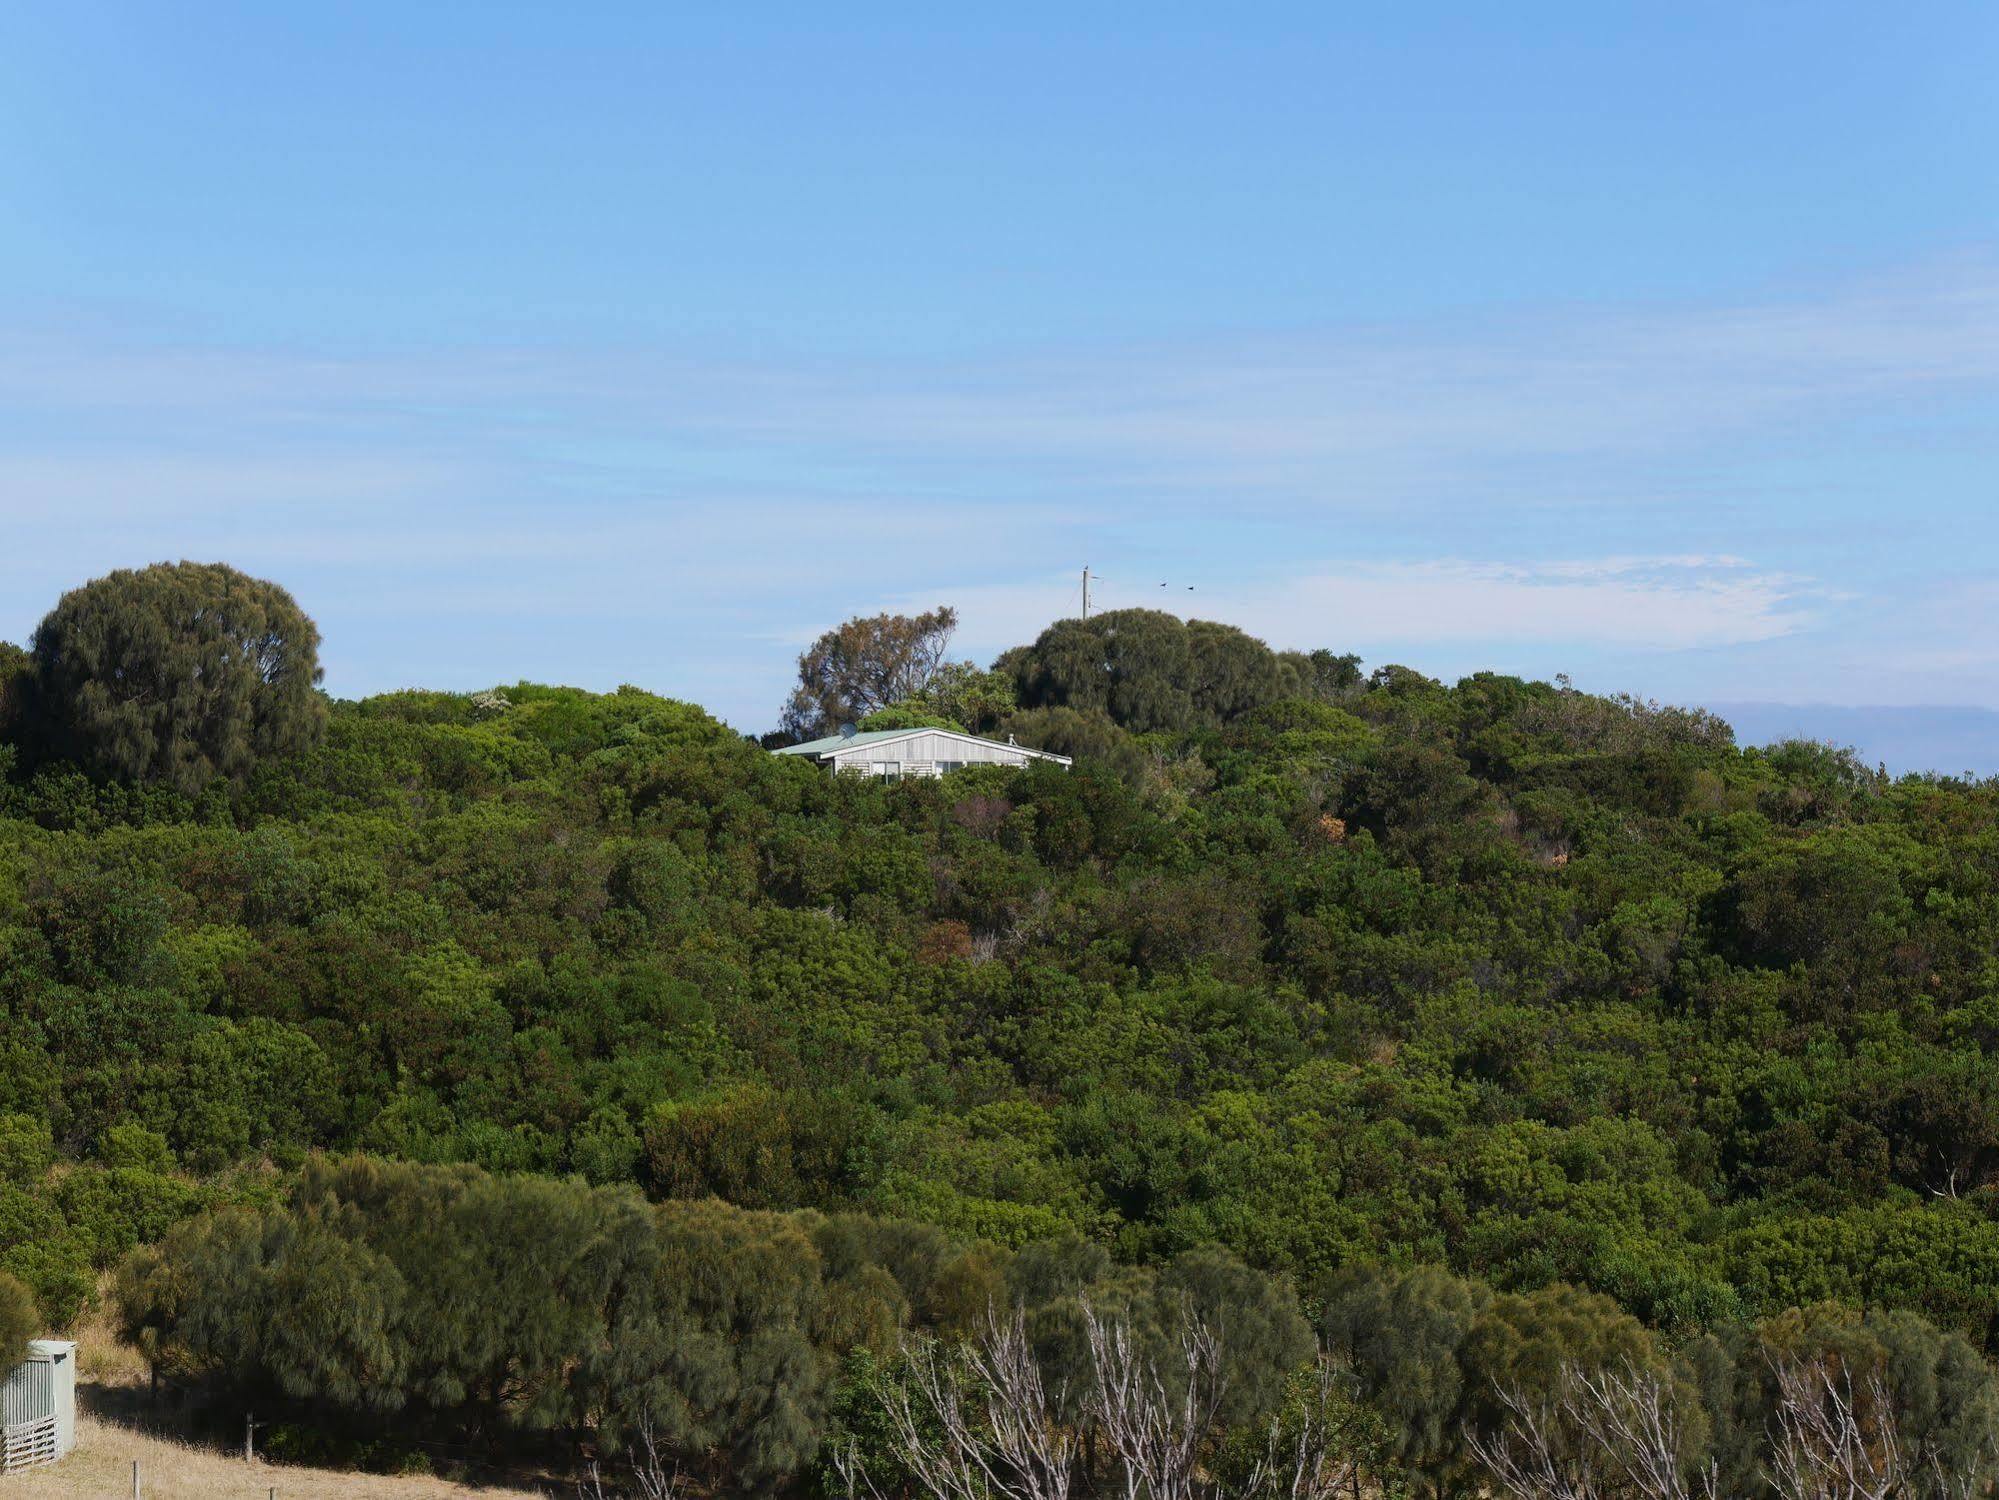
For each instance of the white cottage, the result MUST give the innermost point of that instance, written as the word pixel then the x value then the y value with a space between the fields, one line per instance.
pixel 895 753
pixel 38 1405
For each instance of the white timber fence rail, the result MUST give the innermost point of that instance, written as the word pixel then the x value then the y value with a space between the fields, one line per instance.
pixel 30 1443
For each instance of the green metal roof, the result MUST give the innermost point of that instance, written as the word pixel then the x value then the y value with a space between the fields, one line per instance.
pixel 845 741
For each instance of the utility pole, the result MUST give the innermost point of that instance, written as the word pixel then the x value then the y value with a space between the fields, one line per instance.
pixel 1086 591
pixel 250 1426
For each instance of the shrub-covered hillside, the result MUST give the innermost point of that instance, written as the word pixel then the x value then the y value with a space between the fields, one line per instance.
pixel 1323 969
pixel 1499 975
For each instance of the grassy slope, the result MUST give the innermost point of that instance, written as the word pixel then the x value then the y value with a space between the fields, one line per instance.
pixel 101 1466
pixel 101 1469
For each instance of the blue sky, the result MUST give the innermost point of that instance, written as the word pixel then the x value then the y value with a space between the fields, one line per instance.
pixel 599 343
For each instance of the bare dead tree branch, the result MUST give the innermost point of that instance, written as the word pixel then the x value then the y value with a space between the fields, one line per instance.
pixel 1960 1481
pixel 1307 1462
pixel 975 1422
pixel 979 1422
pixel 1608 1433
pixel 1829 1442
pixel 1525 1459
pixel 648 1475
pixel 1160 1433
pixel 1630 1415
pixel 1024 1420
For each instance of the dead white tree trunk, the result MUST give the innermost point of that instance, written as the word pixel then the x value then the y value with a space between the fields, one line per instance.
pixel 1631 1415
pixel 649 1475
pixel 979 1423
pixel 1525 1458
pixel 1159 1432
pixel 976 1422
pixel 1948 1482
pixel 1307 1462
pixel 1607 1433
pixel 1829 1442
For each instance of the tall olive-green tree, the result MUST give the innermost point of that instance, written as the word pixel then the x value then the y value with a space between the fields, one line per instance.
pixel 177 674
pixel 19 1319
pixel 1148 670
pixel 1404 1334
pixel 864 665
pixel 17 671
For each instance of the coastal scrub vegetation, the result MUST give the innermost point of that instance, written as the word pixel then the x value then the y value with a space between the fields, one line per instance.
pixel 1453 1066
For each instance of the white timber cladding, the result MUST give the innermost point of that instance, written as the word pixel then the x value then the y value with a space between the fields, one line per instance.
pixel 930 753
pixel 38 1406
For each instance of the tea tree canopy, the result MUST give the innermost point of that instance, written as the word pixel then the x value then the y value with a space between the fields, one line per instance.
pixel 177 674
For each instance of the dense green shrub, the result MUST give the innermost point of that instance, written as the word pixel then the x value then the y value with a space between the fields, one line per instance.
pixel 20 1319
pixel 175 675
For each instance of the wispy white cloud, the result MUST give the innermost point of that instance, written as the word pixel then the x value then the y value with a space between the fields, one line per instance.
pixel 1670 604
pixel 1395 473
pixel 1648 604
pixel 1271 409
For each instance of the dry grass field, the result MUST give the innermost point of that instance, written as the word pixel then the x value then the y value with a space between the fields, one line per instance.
pixel 101 1469
pixel 101 1466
